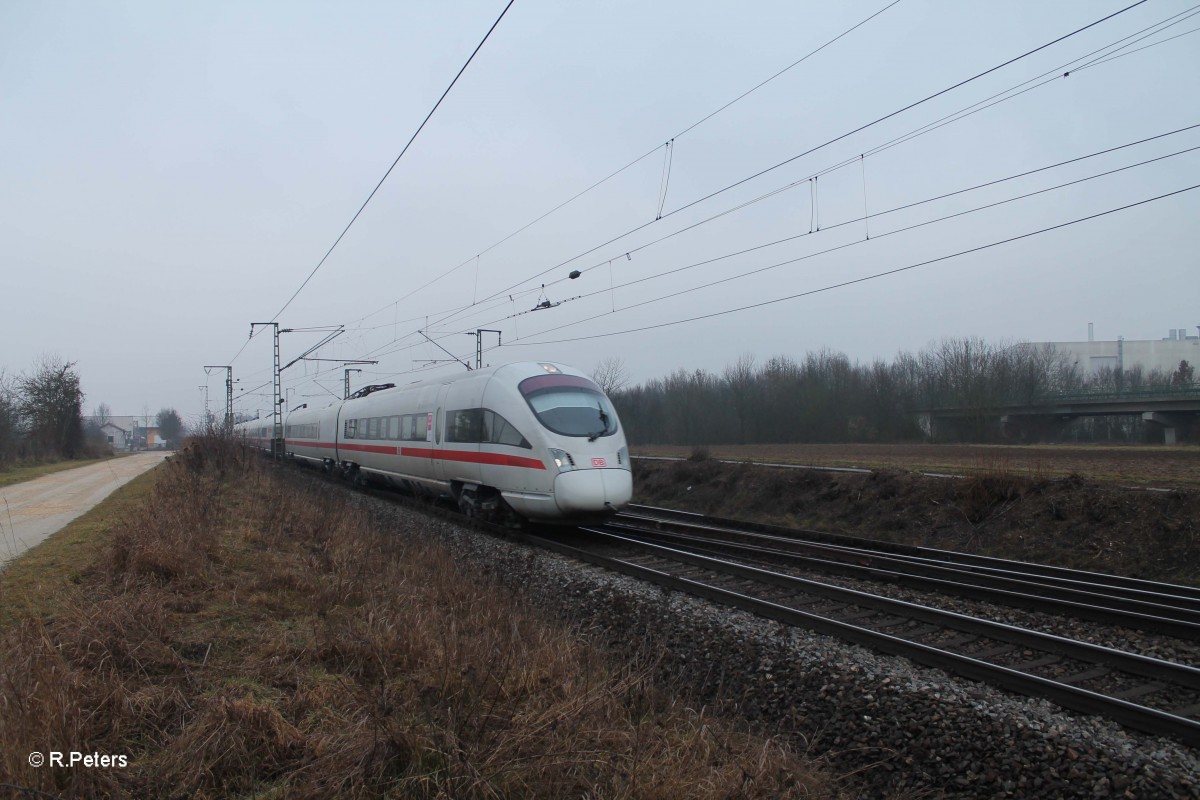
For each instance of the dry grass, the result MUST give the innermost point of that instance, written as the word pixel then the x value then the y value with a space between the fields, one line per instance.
pixel 238 638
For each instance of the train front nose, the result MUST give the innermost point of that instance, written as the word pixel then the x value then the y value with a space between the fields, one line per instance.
pixel 592 491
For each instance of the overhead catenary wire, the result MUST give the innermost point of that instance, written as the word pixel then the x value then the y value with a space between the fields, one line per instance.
pixel 473 304
pixel 412 139
pixel 1106 59
pixel 994 182
pixel 834 249
pixel 382 349
pixel 920 131
pixel 506 300
pixel 668 145
pixel 823 145
pixel 913 105
pixel 381 180
pixel 1057 72
pixel 777 265
pixel 863 279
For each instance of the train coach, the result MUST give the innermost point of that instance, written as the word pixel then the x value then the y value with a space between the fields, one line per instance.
pixel 538 440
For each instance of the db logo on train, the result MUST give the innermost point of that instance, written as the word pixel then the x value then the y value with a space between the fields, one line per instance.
pixel 599 462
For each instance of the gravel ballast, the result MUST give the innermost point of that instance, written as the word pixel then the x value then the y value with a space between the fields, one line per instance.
pixel 889 726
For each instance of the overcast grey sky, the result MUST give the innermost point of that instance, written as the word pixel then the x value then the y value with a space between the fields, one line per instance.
pixel 173 172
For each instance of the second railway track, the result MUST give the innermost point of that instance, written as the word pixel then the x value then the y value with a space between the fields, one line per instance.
pixel 1148 694
pixel 1166 609
pixel 1143 693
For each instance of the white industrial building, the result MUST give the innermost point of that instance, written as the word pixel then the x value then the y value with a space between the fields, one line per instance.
pixel 1163 355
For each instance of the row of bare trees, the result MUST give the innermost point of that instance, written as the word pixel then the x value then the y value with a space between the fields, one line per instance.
pixel 824 397
pixel 41 413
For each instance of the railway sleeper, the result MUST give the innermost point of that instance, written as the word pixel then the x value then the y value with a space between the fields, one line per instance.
pixel 1086 675
pixel 1045 661
pixel 1188 711
pixel 1139 691
pixel 890 623
pixel 921 632
pixel 999 650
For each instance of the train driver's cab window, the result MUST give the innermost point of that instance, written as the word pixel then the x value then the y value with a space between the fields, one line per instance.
pixel 570 405
pixel 498 430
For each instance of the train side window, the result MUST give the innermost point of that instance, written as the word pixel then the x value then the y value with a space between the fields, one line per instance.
pixel 393 428
pixel 464 425
pixel 350 426
pixel 372 427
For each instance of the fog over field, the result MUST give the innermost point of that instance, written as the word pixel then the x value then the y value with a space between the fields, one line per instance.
pixel 177 172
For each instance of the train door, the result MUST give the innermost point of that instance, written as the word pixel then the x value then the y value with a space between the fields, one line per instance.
pixel 336 437
pixel 437 466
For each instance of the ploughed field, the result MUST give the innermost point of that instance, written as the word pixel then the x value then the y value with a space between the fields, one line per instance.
pixel 1124 510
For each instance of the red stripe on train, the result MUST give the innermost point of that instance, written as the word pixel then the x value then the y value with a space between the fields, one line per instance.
pixel 371 448
pixel 495 459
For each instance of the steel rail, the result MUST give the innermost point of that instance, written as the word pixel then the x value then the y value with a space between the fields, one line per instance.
pixel 1133 715
pixel 1013 591
pixel 1177 594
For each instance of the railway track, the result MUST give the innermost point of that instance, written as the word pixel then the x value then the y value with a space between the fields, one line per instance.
pixel 1143 693
pixel 1166 609
pixel 1147 694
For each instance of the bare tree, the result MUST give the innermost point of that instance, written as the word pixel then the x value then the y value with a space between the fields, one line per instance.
pixel 101 414
pixel 741 380
pixel 93 430
pixel 52 403
pixel 10 418
pixel 610 374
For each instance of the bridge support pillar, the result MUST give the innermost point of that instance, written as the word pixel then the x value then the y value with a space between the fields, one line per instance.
pixel 1168 421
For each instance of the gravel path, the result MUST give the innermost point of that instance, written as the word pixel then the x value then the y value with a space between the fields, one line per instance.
pixel 891 727
pixel 35 509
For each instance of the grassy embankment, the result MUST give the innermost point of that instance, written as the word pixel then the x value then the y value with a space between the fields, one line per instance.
pixel 1138 465
pixel 234 637
pixel 999 511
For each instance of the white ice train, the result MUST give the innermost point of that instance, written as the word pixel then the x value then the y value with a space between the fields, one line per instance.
pixel 536 439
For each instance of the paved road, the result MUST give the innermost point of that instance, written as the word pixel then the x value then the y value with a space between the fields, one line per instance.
pixel 31 511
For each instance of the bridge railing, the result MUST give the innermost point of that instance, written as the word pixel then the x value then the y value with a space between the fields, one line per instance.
pixel 1178 391
pixel 1165 392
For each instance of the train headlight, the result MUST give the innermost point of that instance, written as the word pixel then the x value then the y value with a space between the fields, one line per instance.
pixel 562 459
pixel 623 456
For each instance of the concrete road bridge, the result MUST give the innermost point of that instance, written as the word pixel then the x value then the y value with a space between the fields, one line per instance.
pixel 1173 409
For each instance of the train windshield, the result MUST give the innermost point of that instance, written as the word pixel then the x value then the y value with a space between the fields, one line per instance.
pixel 570 405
